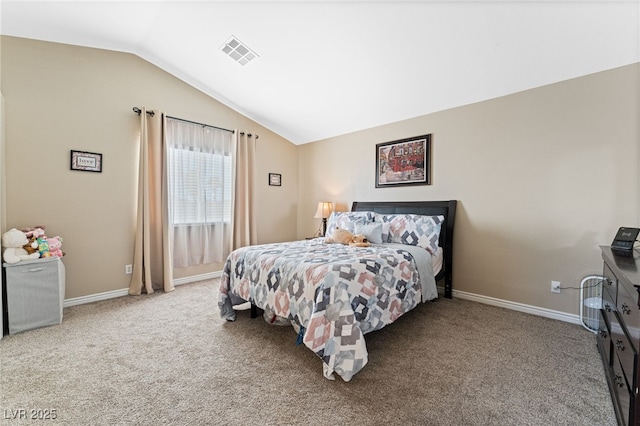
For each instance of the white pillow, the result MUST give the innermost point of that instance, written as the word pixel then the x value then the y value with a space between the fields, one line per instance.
pixel 348 220
pixel 373 231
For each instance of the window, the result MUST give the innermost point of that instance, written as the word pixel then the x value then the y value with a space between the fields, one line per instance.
pixel 202 187
pixel 200 162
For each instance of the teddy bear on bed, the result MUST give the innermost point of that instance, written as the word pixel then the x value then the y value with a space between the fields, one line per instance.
pixel 342 236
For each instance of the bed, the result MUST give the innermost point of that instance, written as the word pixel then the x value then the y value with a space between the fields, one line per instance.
pixel 334 294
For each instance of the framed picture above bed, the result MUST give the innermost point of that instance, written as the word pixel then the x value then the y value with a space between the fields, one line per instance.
pixel 404 162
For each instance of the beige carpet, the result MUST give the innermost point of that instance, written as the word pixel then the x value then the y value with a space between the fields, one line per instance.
pixel 168 359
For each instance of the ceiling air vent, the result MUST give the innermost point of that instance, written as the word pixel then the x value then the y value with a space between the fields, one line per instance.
pixel 238 51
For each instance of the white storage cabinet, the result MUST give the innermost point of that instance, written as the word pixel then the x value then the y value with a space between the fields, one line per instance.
pixel 35 293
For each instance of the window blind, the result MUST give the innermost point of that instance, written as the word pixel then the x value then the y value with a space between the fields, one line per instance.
pixel 202 187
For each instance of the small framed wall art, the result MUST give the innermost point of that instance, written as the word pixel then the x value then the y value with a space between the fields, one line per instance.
pixel 404 162
pixel 86 161
pixel 275 179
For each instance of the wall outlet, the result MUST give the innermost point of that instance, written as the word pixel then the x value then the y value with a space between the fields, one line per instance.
pixel 555 286
pixel 128 269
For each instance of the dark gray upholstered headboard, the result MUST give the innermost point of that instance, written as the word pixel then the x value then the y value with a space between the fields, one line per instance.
pixel 427 208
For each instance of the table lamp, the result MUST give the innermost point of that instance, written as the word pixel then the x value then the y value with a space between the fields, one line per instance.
pixel 324 211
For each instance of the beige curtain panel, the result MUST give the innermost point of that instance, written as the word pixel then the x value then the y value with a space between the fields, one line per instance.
pixel 152 265
pixel 244 221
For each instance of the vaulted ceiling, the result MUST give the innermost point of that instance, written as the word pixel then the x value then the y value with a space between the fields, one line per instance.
pixel 326 68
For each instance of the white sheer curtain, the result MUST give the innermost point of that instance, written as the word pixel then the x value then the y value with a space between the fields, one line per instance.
pixel 201 161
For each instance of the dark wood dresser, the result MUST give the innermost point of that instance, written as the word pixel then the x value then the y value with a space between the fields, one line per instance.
pixel 619 331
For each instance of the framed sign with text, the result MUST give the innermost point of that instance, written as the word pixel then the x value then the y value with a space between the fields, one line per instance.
pixel 86 161
pixel 275 179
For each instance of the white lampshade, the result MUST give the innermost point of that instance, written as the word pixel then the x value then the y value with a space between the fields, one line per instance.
pixel 324 210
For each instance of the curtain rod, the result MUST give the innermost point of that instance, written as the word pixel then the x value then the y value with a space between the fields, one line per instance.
pixel 139 111
pixel 249 134
pixel 151 113
pixel 201 124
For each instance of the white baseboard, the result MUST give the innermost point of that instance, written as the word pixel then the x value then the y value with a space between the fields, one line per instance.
pixel 95 297
pixel 125 291
pixel 521 307
pixel 194 278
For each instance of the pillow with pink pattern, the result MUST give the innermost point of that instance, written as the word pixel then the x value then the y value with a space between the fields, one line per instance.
pixel 413 230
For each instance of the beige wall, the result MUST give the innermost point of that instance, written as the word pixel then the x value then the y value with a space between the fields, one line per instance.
pixel 542 177
pixel 60 97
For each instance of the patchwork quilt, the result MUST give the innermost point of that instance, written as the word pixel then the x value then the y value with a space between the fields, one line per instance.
pixel 337 293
